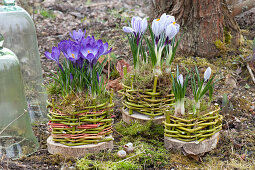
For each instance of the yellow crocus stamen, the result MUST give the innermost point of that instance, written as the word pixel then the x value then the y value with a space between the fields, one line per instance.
pixel 88 51
pixel 73 55
pixel 157 19
pixel 173 22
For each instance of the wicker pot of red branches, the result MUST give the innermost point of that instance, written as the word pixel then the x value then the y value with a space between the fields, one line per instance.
pixel 80 109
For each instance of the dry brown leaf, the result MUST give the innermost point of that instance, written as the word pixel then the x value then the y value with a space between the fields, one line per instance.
pixel 114 84
pixel 120 65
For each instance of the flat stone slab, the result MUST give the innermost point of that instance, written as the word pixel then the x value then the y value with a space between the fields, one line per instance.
pixel 140 117
pixel 77 151
pixel 193 148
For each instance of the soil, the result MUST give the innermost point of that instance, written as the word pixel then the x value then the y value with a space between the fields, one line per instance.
pixel 105 19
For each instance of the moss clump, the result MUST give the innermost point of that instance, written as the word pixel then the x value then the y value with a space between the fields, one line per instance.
pixel 220 45
pixel 146 155
pixel 76 102
pixel 136 128
pixel 227 36
pixel 144 79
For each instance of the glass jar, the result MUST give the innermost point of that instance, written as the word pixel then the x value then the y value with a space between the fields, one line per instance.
pixel 16 135
pixel 18 29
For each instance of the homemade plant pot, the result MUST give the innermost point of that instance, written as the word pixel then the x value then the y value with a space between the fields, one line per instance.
pixel 78 133
pixel 144 105
pixel 194 136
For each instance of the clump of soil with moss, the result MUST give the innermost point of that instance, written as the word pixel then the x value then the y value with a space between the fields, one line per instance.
pixel 74 102
pixel 144 79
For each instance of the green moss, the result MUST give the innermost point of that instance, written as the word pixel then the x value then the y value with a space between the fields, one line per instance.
pixel 47 13
pixel 77 101
pixel 227 36
pixel 136 128
pixel 144 79
pixel 146 155
pixel 220 45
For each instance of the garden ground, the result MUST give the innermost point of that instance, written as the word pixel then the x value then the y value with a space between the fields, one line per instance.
pixel 105 19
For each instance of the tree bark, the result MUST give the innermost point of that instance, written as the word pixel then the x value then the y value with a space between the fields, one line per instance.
pixel 242 7
pixel 202 23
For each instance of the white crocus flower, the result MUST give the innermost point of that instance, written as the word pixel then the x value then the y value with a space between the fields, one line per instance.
pixel 169 19
pixel 156 28
pixel 207 74
pixel 171 30
pixel 180 79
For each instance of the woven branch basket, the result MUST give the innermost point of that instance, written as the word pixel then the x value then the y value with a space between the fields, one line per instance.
pixel 148 102
pixel 89 126
pixel 196 129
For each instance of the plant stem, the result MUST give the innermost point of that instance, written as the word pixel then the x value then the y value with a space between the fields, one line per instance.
pixel 154 88
pixel 132 87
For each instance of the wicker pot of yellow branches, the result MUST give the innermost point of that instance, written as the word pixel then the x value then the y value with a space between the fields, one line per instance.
pixel 80 109
pixel 147 89
pixel 196 130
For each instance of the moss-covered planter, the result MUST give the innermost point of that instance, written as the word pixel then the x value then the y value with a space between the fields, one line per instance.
pixel 90 126
pixel 200 129
pixel 147 103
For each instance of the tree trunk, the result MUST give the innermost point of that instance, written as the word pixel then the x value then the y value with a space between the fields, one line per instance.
pixel 202 22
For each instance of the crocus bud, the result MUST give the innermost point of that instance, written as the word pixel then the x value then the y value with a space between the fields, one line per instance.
pixel 180 79
pixel 207 74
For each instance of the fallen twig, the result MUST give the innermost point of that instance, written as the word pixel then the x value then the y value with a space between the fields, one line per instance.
pixel 12 122
pixel 250 71
pixel 131 157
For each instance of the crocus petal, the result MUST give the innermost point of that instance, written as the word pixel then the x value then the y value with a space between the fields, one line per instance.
pixel 64 45
pixel 128 30
pixel 48 55
pixel 77 35
pixel 207 74
pixel 156 28
pixel 133 21
pixel 100 51
pixel 144 25
pixel 137 25
pixel 171 31
pixel 107 52
pixel 55 54
pixel 180 79
pixel 169 19
pixel 90 57
pixel 99 43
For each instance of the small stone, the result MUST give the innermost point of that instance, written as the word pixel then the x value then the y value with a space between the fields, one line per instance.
pixel 77 14
pixel 121 154
pixel 252 107
pixel 129 147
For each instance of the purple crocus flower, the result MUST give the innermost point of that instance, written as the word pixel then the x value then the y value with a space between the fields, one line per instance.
pixel 70 50
pixel 54 55
pixel 91 53
pixel 91 50
pixel 138 28
pixel 77 35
